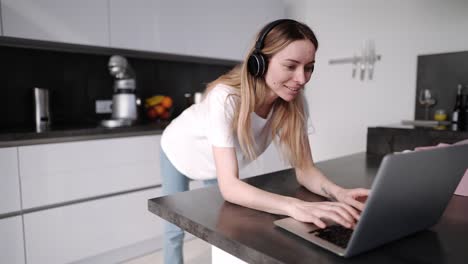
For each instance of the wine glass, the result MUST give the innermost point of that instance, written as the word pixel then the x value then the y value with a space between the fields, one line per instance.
pixel 427 99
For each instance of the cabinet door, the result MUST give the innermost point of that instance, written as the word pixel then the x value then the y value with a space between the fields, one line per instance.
pixel 134 24
pixel 1 27
pixel 208 28
pixel 81 22
pixel 55 173
pixel 9 186
pixel 81 231
pixel 11 240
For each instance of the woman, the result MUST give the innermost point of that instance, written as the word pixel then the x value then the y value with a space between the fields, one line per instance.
pixel 242 111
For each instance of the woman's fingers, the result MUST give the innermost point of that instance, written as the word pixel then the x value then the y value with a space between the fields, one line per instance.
pixel 357 197
pixel 361 195
pixel 336 217
pixel 337 209
pixel 318 222
pixel 311 218
pixel 317 212
pixel 354 203
pixel 347 210
pixel 337 212
pixel 361 192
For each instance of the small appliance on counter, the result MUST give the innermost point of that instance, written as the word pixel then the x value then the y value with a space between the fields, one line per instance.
pixel 124 101
pixel 42 111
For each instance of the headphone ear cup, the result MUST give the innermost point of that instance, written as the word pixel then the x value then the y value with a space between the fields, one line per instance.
pixel 257 64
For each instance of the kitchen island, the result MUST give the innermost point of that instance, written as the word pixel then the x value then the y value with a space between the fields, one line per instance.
pixel 251 236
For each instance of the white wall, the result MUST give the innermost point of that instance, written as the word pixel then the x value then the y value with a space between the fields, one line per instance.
pixel 342 108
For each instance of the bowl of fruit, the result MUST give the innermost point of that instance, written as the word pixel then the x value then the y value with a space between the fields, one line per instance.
pixel 159 107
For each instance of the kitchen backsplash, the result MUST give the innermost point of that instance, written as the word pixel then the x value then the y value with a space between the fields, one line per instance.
pixel 441 73
pixel 77 76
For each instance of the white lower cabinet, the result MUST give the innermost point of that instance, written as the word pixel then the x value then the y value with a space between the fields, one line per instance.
pixel 84 202
pixel 11 240
pixel 63 172
pixel 80 231
pixel 9 181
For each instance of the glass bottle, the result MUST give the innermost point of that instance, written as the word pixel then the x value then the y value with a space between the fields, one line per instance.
pixel 457 109
pixel 463 122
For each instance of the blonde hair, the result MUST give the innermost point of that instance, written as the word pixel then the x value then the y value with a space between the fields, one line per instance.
pixel 288 118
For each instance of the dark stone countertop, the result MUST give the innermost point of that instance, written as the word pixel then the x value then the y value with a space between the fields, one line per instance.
pixel 391 128
pixel 251 235
pixel 382 140
pixel 76 133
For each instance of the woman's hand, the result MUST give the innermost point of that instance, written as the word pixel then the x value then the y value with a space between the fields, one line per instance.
pixel 353 197
pixel 318 212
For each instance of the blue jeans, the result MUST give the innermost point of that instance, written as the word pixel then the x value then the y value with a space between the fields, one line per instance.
pixel 173 182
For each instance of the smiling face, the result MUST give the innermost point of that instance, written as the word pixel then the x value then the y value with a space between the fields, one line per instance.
pixel 290 69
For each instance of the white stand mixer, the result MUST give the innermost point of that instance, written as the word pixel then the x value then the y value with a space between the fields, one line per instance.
pixel 124 101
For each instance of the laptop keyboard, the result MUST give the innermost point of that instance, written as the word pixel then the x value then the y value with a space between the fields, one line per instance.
pixel 335 234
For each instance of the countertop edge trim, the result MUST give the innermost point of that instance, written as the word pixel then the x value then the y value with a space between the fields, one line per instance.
pixel 63 139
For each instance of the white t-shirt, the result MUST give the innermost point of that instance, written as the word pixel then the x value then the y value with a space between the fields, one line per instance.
pixel 188 140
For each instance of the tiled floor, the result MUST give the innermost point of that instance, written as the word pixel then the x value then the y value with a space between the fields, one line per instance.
pixel 196 251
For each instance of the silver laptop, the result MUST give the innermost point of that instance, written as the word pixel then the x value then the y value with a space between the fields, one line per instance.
pixel 409 194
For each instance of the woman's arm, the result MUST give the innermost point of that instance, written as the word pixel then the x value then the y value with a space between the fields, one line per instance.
pixel 239 192
pixel 313 179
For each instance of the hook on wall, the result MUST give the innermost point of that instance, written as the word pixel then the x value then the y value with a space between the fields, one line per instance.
pixel 366 61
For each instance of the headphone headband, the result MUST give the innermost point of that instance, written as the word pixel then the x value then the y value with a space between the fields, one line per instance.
pixel 266 30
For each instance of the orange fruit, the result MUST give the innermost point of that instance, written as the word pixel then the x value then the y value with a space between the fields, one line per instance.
pixel 159 109
pixel 167 102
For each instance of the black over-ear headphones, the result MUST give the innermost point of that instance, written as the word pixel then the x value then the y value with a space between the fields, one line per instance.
pixel 257 63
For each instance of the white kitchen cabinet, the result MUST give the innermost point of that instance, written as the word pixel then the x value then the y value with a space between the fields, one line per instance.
pixel 80 22
pixel 62 172
pixel 9 186
pixel 1 27
pixel 208 28
pixel 11 240
pixel 134 25
pixel 83 230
